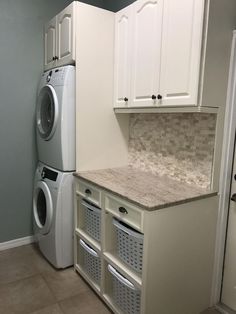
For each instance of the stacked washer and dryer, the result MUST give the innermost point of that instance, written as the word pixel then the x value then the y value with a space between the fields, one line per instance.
pixel 53 192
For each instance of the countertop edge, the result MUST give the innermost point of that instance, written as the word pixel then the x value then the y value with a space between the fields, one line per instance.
pixel 153 208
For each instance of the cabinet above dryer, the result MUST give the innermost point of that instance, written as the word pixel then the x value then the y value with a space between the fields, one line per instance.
pixel 59 39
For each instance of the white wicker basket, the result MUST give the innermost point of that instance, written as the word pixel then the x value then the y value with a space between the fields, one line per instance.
pixel 90 261
pixel 129 245
pixel 92 220
pixel 125 295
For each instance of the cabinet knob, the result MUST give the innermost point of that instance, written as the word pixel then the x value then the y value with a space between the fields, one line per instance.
pixel 88 192
pixel 123 210
pixel 159 96
pixel 56 58
pixel 154 97
pixel 53 58
pixel 126 99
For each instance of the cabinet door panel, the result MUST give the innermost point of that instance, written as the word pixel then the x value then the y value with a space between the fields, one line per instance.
pixel 146 51
pixel 181 48
pixel 66 35
pixel 49 43
pixel 123 33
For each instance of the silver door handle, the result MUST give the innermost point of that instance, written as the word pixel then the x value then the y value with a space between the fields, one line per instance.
pixel 233 197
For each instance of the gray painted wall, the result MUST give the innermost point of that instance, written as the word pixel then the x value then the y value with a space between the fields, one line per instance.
pixel 115 6
pixel 21 62
pixel 111 5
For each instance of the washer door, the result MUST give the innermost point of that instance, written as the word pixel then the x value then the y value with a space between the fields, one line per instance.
pixel 42 207
pixel 47 112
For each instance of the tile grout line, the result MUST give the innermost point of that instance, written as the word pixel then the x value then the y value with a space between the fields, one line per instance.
pixel 21 279
pixel 61 308
pixel 42 308
pixel 66 298
pixel 41 274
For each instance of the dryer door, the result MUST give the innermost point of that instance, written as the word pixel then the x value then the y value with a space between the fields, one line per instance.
pixel 42 207
pixel 47 112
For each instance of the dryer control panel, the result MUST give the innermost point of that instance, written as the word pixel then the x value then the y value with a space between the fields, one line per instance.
pixel 49 174
pixel 58 76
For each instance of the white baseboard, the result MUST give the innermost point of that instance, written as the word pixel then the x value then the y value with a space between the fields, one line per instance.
pixel 17 242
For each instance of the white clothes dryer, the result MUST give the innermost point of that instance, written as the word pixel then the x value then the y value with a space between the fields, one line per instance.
pixel 55 118
pixel 53 215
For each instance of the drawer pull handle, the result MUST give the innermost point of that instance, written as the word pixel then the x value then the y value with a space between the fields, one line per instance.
pixel 88 248
pixel 123 210
pixel 88 192
pixel 91 207
pixel 128 230
pixel 120 278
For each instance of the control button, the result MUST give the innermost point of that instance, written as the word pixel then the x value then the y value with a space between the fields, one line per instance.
pixel 49 76
pixel 233 197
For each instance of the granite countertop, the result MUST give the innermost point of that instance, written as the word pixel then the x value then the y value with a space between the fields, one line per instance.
pixel 149 191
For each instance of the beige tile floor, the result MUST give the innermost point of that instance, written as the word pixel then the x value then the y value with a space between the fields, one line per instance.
pixel 210 311
pixel 30 285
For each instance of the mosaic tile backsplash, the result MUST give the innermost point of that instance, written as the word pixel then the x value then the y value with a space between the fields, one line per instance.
pixel 179 145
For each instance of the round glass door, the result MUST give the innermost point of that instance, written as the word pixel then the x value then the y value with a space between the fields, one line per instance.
pixel 47 112
pixel 42 207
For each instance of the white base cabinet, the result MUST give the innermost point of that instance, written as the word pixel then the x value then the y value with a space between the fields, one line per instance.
pixel 177 253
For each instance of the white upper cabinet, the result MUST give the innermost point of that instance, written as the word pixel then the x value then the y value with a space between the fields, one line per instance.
pixel 50 43
pixel 147 28
pixel 123 38
pixel 66 35
pixel 165 53
pixel 181 51
pixel 59 38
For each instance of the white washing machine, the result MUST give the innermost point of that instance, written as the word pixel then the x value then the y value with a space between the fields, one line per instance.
pixel 53 215
pixel 55 118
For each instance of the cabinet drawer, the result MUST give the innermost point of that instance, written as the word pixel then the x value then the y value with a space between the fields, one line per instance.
pixel 124 211
pixel 89 192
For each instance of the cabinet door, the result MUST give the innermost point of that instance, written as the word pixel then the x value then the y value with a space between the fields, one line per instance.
pixel 123 38
pixel 147 29
pixel 49 43
pixel 181 51
pixel 66 35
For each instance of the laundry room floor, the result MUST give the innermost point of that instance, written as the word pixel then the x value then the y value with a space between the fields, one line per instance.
pixel 30 285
